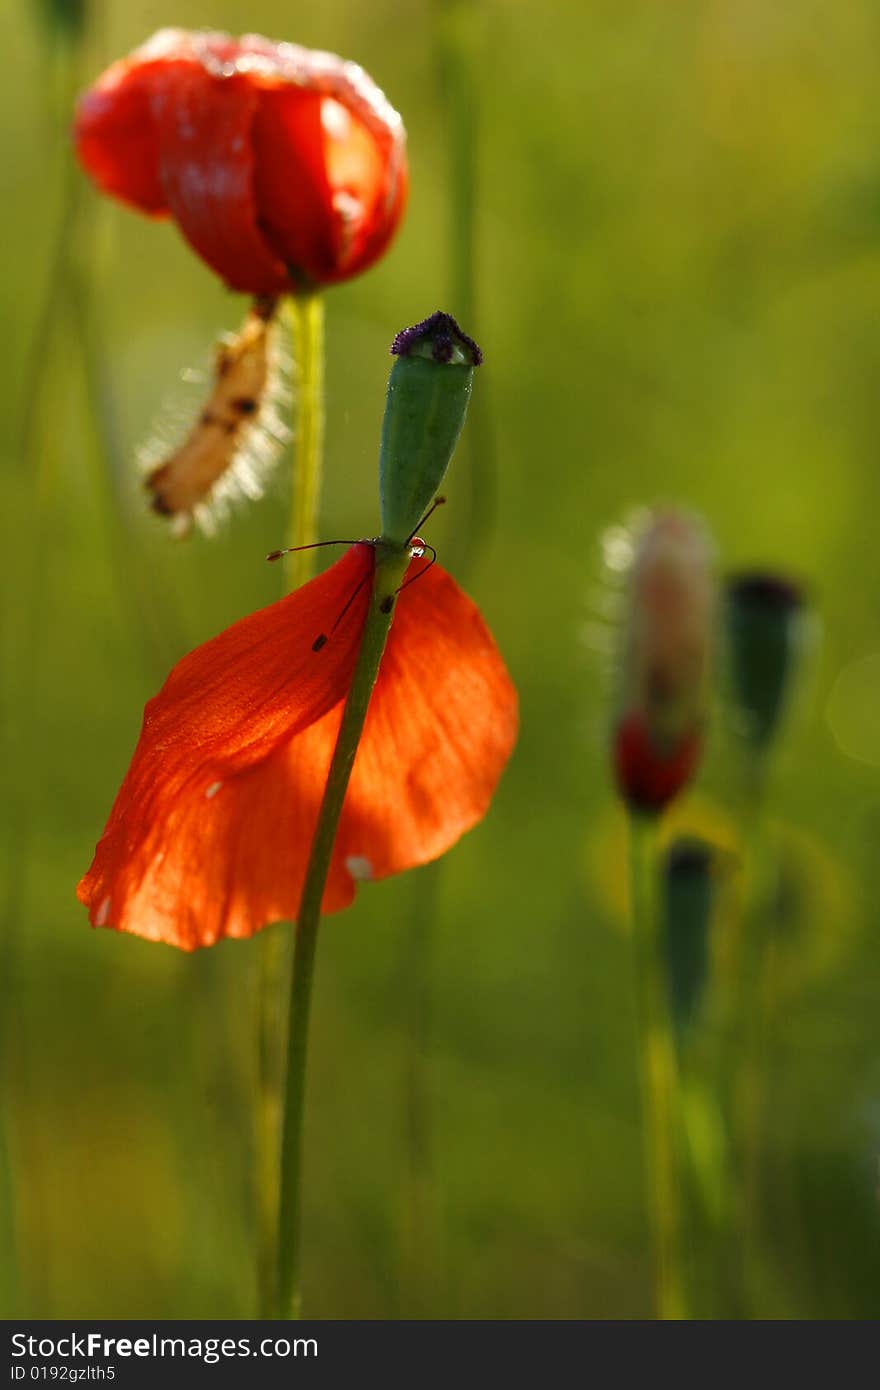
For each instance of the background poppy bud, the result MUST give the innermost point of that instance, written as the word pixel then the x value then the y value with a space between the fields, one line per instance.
pixel 665 660
pixel 283 167
pixel 425 408
pixel 66 17
pixel 764 625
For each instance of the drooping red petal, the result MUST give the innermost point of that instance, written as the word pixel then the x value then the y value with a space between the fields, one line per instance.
pixel 440 728
pixel 225 708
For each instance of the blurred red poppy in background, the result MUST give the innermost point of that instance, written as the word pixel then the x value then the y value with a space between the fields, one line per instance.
pixel 665 661
pixel 284 167
pixel 211 830
pixel 648 776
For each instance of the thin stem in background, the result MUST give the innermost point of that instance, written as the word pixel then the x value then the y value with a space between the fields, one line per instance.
pixel 658 1074
pixel 460 53
pixel 305 319
pixel 459 44
pixel 419 1224
pixel 147 598
pixel 390 569
pixel 275 947
pixel 750 1028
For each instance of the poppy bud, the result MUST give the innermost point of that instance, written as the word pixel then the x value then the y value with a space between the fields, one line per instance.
pixel 657 740
pixel 425 408
pixel 283 167
pixel 687 912
pixel 764 623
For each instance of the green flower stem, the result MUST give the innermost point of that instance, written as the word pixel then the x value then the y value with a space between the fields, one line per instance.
pixel 659 1082
pixel 305 320
pixel 306 317
pixel 391 564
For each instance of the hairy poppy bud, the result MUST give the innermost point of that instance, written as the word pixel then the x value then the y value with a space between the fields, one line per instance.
pixel 284 167
pixel 658 734
pixel 764 622
pixel 428 393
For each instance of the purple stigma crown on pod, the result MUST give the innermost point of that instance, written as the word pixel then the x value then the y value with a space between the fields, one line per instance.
pixel 442 335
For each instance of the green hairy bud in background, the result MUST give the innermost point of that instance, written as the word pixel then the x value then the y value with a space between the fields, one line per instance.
pixel 764 623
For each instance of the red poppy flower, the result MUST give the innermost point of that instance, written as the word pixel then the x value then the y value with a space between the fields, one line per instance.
pixel 285 168
pixel 211 831
pixel 667 642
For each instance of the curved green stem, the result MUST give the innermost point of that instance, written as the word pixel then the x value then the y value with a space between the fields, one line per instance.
pixel 305 320
pixel 391 563
pixel 659 1082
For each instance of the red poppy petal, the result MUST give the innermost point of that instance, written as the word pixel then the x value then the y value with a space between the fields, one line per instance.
pixel 223 861
pixel 223 850
pixel 330 159
pixel 368 176
pixel 226 708
pixel 291 185
pixel 441 726
pixel 378 229
pixel 116 137
pixel 206 156
pixel 322 178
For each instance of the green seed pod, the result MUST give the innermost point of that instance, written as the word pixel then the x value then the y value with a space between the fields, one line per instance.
pixel 428 393
pixel 764 632
pixel 688 891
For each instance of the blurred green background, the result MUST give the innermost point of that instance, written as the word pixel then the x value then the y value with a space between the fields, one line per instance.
pixel 678 293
